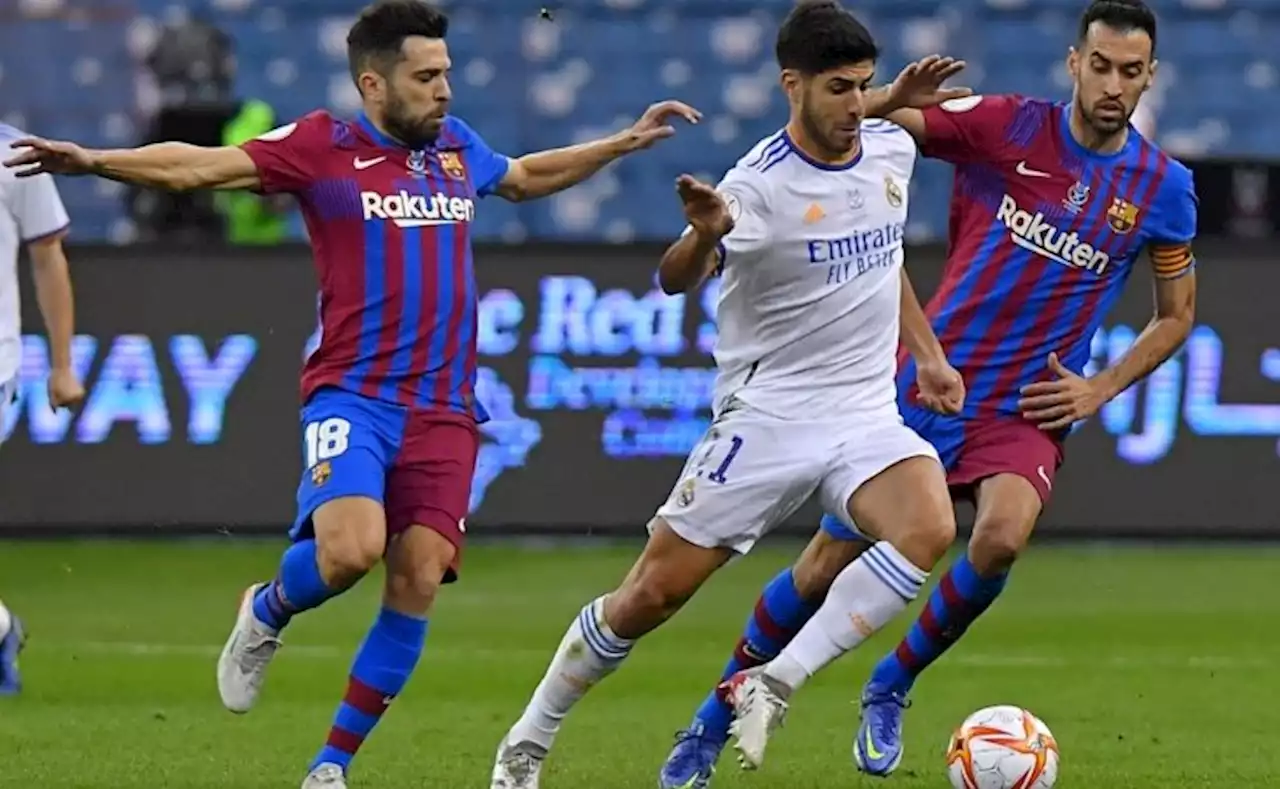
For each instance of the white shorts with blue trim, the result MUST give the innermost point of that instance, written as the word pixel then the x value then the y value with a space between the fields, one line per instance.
pixel 751 471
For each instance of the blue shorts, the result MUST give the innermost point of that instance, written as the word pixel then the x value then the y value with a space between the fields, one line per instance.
pixel 975 448
pixel 418 463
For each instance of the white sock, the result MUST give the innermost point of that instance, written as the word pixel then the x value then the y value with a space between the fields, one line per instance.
pixel 864 597
pixel 588 653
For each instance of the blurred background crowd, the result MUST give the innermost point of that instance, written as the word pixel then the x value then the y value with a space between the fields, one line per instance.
pixel 122 72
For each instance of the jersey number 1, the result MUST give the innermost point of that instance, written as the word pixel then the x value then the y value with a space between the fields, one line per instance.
pixel 326 439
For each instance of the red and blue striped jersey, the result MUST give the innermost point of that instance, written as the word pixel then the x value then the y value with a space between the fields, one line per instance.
pixel 1044 233
pixel 390 232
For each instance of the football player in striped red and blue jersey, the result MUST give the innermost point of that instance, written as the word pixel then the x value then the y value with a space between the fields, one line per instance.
pixel 389 410
pixel 1053 205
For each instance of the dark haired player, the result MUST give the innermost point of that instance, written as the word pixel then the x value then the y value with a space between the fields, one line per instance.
pixel 389 415
pixel 1053 204
pixel 807 233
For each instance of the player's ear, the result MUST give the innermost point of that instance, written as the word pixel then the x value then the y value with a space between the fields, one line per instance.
pixel 790 81
pixel 1151 75
pixel 371 84
pixel 1073 61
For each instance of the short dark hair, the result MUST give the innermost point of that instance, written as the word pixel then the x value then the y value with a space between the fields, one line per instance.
pixel 379 33
pixel 820 35
pixel 1122 16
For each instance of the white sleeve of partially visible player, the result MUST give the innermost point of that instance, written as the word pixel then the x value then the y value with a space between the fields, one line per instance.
pixel 37 208
pixel 746 194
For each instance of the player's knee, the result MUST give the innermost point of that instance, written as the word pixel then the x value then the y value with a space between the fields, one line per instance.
pixel 822 560
pixel 926 538
pixel 996 543
pixel 345 556
pixel 413 591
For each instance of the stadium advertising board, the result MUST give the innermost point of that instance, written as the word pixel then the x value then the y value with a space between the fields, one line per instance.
pixel 598 383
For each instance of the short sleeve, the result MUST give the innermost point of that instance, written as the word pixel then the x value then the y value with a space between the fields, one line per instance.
pixel 747 199
pixel 486 166
pixel 968 129
pixel 286 157
pixel 37 208
pixel 1173 224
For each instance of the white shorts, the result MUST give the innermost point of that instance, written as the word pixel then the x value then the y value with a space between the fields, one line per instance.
pixel 7 391
pixel 751 471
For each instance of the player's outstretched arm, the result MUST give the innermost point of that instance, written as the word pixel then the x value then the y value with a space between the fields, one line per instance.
pixel 547 172
pixel 919 85
pixel 693 257
pixel 174 166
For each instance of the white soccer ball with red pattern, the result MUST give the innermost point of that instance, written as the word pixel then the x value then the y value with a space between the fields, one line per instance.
pixel 1003 748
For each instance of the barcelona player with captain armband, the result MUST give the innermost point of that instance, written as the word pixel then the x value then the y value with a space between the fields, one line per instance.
pixel 389 410
pixel 1053 204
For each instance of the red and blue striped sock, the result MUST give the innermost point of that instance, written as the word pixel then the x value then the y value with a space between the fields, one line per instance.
pixel 298 587
pixel 382 667
pixel 778 616
pixel 960 597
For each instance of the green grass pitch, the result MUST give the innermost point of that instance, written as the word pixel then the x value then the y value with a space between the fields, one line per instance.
pixel 1156 668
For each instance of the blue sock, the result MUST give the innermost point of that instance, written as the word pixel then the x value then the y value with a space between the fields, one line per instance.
pixel 298 587
pixel 960 598
pixel 381 668
pixel 778 616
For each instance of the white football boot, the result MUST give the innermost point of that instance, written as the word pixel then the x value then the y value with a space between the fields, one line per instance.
pixel 243 664
pixel 758 710
pixel 325 776
pixel 517 766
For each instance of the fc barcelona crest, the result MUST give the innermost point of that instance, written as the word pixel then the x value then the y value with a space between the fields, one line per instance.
pixel 452 165
pixel 1122 216
pixel 320 473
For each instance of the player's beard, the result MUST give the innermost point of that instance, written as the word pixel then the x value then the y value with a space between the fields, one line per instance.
pixel 402 125
pixel 832 146
pixel 1109 126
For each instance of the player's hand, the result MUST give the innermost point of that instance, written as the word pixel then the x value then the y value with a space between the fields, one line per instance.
pixel 655 123
pixel 37 155
pixel 706 210
pixel 1056 405
pixel 920 83
pixel 941 387
pixel 65 390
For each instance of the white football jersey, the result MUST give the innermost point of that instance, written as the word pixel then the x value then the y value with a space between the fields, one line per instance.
pixel 30 209
pixel 809 300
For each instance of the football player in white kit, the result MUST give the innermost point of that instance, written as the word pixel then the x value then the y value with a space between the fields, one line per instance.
pixel 32 215
pixel 807 232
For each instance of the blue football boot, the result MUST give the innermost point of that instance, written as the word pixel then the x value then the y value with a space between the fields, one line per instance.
pixel 693 759
pixel 877 747
pixel 10 646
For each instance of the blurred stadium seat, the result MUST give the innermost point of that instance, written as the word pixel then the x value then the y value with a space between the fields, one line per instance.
pixel 70 68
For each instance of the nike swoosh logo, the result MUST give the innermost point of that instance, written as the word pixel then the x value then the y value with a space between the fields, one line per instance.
pixel 1044 476
pixel 1023 169
pixel 365 164
pixel 871 747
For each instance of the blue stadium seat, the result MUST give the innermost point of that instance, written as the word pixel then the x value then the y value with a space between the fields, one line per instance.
pixel 527 84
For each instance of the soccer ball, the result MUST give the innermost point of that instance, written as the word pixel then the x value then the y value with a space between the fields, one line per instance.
pixel 1002 748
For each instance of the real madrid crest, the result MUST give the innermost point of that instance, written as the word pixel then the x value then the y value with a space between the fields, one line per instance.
pixel 684 497
pixel 892 192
